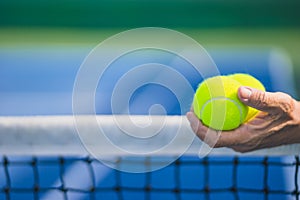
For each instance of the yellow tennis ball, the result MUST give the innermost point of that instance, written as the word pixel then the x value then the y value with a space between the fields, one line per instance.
pixel 217 105
pixel 250 81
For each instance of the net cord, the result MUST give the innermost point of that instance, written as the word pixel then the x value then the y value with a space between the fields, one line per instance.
pixel 57 135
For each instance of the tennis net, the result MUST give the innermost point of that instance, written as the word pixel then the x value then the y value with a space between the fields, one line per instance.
pixel 43 158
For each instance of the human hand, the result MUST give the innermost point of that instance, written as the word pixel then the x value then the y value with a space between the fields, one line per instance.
pixel 277 123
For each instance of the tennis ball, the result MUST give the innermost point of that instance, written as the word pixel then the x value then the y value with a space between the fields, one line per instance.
pixel 248 80
pixel 217 105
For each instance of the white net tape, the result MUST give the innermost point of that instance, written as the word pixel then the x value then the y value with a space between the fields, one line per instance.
pixel 57 135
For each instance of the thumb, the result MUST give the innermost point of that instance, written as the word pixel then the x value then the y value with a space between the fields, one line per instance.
pixel 264 101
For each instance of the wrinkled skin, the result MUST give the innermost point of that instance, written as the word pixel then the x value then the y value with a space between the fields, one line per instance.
pixel 277 123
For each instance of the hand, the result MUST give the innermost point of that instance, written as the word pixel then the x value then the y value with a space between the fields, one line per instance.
pixel 277 123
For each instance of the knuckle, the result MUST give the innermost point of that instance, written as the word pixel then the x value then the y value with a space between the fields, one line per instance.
pixel 210 144
pixel 194 127
pixel 209 141
pixel 217 144
pixel 286 102
pixel 277 103
pixel 260 99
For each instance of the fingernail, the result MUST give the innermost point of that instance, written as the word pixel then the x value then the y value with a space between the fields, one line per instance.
pixel 245 93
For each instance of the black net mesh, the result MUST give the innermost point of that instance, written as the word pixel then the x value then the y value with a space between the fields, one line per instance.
pixel 187 178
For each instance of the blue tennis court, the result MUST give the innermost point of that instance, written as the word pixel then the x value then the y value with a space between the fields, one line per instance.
pixel 39 81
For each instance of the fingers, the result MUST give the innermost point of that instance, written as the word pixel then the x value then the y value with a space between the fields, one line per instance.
pixel 273 103
pixel 196 124
pixel 207 135
pixel 212 137
pixel 278 111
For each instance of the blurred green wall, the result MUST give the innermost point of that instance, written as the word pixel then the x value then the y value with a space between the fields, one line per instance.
pixel 272 23
pixel 136 13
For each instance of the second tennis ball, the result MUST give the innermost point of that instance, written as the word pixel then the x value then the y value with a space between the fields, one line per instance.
pixel 217 104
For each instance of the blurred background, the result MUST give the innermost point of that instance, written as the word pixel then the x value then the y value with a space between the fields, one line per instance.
pixel 38 38
pixel 210 22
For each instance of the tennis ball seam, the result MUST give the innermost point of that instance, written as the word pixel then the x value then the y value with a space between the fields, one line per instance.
pixel 221 98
